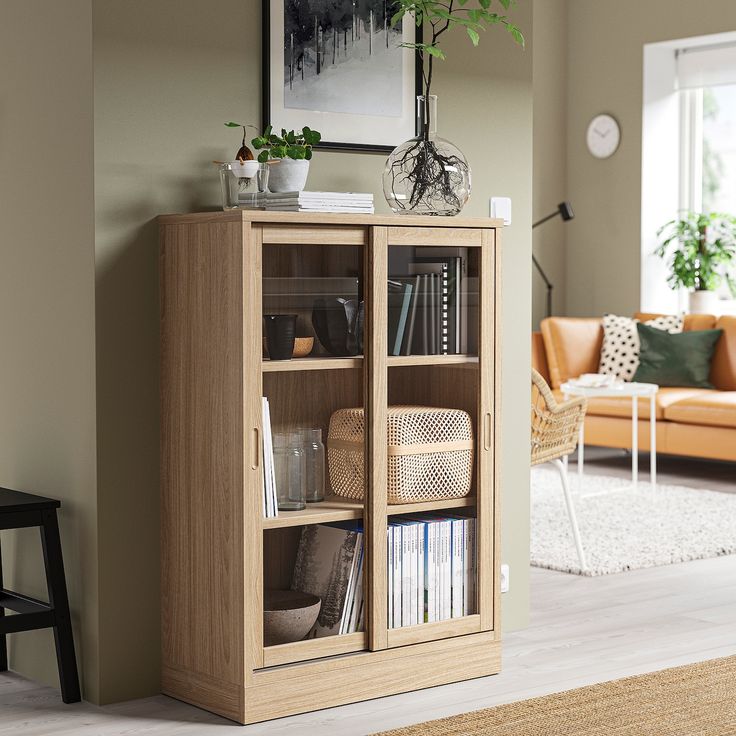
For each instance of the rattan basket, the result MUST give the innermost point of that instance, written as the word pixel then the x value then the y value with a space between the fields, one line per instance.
pixel 430 453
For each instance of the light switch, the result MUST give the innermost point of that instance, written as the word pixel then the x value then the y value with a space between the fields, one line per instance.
pixel 501 209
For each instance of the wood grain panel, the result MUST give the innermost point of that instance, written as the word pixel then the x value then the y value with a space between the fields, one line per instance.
pixel 218 696
pixel 315 235
pixel 201 483
pixel 452 236
pixel 301 651
pixel 485 537
pixel 376 394
pixel 252 493
pixel 431 632
pixel 495 237
pixel 324 218
pixel 369 675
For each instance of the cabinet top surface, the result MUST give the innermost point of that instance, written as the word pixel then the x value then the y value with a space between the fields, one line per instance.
pixel 326 218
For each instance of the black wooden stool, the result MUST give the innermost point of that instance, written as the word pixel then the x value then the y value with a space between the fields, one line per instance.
pixel 17 511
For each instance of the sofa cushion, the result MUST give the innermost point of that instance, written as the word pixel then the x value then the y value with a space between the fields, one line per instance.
pixel 620 349
pixel 620 406
pixel 723 367
pixel 711 409
pixel 676 360
pixel 573 347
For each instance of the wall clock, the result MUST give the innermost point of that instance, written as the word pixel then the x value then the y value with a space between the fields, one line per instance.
pixel 604 135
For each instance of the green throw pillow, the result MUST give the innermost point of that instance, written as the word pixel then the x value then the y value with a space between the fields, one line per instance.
pixel 675 360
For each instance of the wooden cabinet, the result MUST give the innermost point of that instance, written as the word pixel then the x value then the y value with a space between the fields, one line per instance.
pixel 219 272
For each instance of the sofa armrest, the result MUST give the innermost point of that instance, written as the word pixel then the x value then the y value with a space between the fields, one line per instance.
pixel 539 356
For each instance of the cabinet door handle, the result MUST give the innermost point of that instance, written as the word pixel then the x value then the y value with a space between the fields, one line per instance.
pixel 256 449
pixel 487 431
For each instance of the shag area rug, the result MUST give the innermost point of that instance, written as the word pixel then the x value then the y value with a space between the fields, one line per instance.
pixel 695 700
pixel 626 529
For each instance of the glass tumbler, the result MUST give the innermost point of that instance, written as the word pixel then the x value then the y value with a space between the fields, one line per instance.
pixel 289 460
pixel 314 452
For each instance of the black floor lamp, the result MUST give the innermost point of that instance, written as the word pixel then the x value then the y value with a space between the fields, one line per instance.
pixel 564 209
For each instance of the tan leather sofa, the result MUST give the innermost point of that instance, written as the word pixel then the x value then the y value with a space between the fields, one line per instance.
pixel 690 421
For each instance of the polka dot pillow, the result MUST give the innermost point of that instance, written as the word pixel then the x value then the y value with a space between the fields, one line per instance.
pixel 620 351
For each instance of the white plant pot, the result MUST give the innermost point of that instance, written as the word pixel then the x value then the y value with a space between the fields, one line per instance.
pixel 244 169
pixel 288 175
pixel 703 302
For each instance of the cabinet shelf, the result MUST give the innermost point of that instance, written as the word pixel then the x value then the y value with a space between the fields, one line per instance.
pixel 401 360
pixel 311 364
pixel 335 508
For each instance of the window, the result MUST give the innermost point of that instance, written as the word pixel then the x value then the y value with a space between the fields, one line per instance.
pixel 706 77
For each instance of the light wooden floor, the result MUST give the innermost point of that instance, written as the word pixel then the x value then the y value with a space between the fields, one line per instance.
pixel 583 630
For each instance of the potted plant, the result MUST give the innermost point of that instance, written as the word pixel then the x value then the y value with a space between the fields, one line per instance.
pixel 427 174
pixel 290 153
pixel 701 252
pixel 244 165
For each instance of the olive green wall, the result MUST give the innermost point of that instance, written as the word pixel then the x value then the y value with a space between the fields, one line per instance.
pixel 604 72
pixel 550 151
pixel 47 381
pixel 167 75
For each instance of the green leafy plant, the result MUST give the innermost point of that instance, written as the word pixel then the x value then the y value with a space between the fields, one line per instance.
pixel 290 144
pixel 475 16
pixel 701 251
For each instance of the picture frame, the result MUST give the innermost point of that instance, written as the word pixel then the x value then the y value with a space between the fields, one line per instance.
pixel 378 119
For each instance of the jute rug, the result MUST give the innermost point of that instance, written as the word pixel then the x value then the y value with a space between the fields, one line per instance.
pixel 626 529
pixel 695 700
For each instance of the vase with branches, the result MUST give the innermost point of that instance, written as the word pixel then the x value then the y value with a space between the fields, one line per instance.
pixel 428 174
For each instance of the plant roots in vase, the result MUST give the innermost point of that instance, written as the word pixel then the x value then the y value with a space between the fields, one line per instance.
pixel 426 175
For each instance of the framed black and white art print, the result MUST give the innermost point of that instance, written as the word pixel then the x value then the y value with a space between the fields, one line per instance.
pixel 337 66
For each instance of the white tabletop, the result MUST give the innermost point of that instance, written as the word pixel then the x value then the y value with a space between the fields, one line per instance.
pixel 620 388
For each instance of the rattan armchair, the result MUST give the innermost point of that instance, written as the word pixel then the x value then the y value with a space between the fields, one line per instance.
pixel 555 432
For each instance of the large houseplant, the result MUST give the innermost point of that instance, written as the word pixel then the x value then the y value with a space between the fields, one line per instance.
pixel 700 250
pixel 427 174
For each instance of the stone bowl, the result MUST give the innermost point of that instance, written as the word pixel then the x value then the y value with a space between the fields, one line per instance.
pixel 288 615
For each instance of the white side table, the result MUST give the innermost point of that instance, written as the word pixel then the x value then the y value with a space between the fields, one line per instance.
pixel 634 391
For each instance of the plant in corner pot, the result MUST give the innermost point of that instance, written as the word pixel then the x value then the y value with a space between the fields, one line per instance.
pixel 701 253
pixel 290 154
pixel 428 175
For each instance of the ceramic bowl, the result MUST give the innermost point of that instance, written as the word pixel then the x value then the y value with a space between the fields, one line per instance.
pixel 302 347
pixel 288 615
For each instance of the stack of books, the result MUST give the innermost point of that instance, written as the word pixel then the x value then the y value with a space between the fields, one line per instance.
pixel 431 569
pixel 329 564
pixel 270 503
pixel 351 202
pixel 430 311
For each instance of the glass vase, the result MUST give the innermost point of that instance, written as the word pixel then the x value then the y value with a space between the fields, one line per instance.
pixel 290 470
pixel 314 452
pixel 426 175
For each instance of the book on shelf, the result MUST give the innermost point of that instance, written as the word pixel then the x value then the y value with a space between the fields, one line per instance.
pixel 431 569
pixel 270 502
pixel 399 301
pixel 329 564
pixel 460 301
